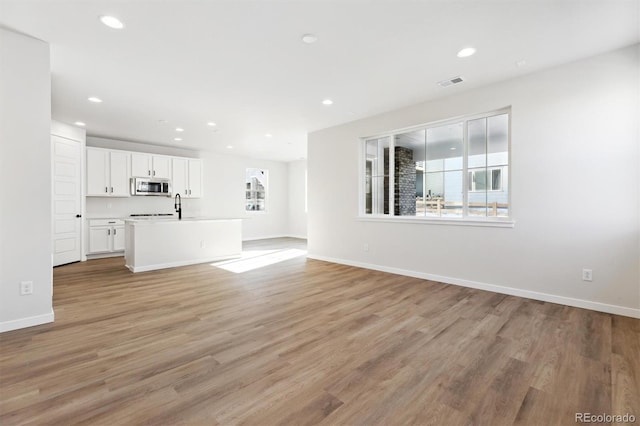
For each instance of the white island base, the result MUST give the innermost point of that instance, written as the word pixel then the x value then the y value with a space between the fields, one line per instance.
pixel 167 243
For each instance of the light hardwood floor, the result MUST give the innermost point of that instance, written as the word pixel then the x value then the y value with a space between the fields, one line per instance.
pixel 306 342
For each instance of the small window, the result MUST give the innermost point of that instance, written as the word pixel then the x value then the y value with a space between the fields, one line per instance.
pixel 478 180
pixel 256 189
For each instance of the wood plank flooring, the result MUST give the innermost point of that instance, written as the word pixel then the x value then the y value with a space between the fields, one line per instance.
pixel 305 342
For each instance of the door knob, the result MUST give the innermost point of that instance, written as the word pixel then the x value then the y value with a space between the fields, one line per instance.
pixel 78 215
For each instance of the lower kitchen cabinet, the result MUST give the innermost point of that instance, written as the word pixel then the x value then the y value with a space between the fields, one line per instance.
pixel 106 235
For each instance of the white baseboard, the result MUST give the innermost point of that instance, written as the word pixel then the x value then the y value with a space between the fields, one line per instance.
pixel 176 264
pixel 300 237
pixel 545 297
pixel 26 322
pixel 104 255
pixel 266 237
pixel 262 238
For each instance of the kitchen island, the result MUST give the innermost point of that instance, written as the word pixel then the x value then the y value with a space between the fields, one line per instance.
pixel 166 243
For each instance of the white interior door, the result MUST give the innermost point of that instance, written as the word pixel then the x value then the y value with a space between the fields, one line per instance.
pixel 67 201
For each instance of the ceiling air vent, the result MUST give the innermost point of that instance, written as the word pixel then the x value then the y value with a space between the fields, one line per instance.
pixel 450 81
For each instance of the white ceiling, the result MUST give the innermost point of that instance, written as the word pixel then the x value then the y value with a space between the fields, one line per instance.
pixel 242 64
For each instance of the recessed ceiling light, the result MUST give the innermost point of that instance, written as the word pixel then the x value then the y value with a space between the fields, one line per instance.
pixel 327 102
pixel 229 147
pixel 112 22
pixel 80 123
pixel 453 148
pixel 177 139
pixel 466 52
pixel 211 123
pixel 95 100
pixel 309 38
pixel 268 135
pixel 179 129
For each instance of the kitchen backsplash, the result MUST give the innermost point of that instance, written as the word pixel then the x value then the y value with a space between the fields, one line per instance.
pixel 123 207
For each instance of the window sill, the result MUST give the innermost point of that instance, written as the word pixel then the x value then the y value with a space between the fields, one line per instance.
pixel 491 223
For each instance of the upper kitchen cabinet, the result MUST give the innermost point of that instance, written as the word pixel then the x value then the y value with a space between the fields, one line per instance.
pixel 187 177
pixel 107 173
pixel 195 178
pixel 146 165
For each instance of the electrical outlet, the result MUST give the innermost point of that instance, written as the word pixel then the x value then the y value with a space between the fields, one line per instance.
pixel 26 288
pixel 365 247
pixel 587 275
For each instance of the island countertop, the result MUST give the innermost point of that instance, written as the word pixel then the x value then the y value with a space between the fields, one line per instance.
pixel 173 220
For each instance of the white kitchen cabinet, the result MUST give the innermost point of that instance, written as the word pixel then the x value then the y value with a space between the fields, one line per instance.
pixel 140 165
pixel 106 235
pixel 118 238
pixel 99 239
pixel 107 173
pixel 179 179
pixel 192 240
pixel 147 165
pixel 161 166
pixel 119 173
pixel 187 177
pixel 97 163
pixel 195 178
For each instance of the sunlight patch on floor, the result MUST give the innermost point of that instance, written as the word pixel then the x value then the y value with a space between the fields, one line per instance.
pixel 254 259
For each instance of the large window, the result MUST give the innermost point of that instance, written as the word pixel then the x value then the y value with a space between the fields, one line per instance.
pixel 454 169
pixel 256 189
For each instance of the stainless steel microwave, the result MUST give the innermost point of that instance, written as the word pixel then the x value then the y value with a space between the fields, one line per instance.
pixel 150 186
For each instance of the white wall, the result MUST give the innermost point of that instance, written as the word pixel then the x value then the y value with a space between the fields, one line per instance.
pixel 101 142
pixel 297 199
pixel 575 191
pixel 224 190
pixel 25 170
pixel 224 186
pixel 69 132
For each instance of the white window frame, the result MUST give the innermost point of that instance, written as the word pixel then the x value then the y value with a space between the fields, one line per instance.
pixel 266 191
pixel 465 220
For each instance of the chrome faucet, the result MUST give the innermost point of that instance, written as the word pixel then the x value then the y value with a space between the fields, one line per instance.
pixel 178 205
